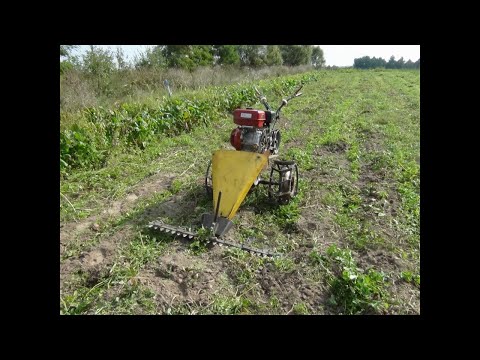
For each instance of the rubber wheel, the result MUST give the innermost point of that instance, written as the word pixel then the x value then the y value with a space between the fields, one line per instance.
pixel 275 141
pixel 208 181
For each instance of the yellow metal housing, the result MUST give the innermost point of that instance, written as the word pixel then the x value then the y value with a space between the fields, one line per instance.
pixel 233 173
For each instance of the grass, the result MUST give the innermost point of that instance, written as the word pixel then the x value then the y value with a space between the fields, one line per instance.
pixel 350 240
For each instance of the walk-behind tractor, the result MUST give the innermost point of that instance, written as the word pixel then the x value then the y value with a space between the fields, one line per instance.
pixel 231 174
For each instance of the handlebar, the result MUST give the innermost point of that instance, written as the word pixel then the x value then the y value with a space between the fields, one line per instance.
pixel 263 99
pixel 295 94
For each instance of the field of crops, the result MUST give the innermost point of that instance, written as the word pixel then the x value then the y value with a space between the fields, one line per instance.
pixel 350 241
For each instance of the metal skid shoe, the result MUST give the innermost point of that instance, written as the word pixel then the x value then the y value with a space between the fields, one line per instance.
pixel 219 224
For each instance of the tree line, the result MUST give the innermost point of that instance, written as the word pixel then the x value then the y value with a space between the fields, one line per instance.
pixel 97 60
pixel 371 63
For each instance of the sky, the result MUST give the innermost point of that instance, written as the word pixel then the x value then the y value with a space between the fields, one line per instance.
pixel 343 55
pixel 339 55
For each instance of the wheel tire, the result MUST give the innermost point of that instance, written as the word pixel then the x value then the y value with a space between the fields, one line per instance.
pixel 275 142
pixel 208 181
pixel 264 143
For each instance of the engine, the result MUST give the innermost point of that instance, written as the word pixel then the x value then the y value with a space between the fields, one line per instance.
pixel 247 139
pixel 251 134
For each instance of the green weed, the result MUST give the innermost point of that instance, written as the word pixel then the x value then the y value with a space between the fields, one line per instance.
pixel 353 290
pixel 410 277
pixel 199 244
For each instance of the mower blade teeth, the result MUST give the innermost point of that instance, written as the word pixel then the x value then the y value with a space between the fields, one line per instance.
pixel 188 233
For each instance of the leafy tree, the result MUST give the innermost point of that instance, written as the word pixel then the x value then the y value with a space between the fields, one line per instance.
pixel 176 55
pixel 381 63
pixel 318 60
pixel 391 64
pixel 151 57
pixel 226 54
pixel 66 50
pixel 372 63
pixel 98 62
pixel 400 63
pixel 71 61
pixel 409 64
pixel 251 55
pixel 362 63
pixel 120 56
pixel 417 64
pixel 294 55
pixel 188 56
pixel 273 56
pixel 202 55
pixel 369 63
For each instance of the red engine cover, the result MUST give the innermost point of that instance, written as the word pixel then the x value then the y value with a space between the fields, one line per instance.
pixel 249 117
pixel 235 139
